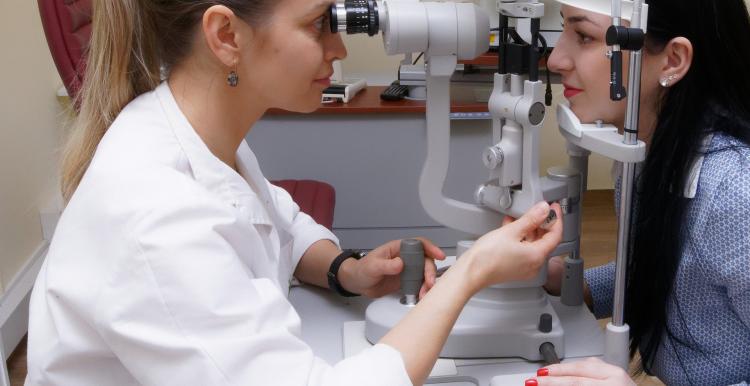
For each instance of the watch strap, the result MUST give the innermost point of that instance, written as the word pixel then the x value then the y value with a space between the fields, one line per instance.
pixel 333 271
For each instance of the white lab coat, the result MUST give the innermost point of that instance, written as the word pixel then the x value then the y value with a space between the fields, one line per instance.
pixel 169 268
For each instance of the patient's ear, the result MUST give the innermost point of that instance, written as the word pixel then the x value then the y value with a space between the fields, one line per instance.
pixel 675 61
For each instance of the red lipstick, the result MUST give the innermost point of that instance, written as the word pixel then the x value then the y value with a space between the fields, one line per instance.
pixel 571 91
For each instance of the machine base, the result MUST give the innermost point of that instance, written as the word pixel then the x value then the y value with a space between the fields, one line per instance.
pixel 497 322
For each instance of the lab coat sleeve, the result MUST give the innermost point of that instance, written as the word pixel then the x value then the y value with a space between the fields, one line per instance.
pixel 305 231
pixel 186 309
pixel 726 236
pixel 601 282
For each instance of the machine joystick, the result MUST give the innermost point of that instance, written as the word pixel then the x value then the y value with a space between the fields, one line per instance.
pixel 412 254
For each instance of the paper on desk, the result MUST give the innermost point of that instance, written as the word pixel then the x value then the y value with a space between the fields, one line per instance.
pixel 355 342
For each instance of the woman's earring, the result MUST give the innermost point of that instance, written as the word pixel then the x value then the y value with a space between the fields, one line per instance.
pixel 233 79
pixel 666 81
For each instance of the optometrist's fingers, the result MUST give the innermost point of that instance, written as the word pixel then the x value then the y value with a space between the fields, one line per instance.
pixel 430 275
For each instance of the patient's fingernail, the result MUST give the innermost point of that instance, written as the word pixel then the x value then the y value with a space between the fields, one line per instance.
pixel 550 220
pixel 531 382
pixel 543 372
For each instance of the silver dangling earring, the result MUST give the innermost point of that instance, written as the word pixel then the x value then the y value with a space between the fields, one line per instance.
pixel 233 79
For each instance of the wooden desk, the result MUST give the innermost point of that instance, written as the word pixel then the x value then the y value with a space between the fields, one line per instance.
pixel 368 101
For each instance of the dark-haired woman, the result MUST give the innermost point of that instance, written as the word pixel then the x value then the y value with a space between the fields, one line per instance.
pixel 172 261
pixel 688 290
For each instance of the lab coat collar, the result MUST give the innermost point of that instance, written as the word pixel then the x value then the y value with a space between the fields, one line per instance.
pixel 247 190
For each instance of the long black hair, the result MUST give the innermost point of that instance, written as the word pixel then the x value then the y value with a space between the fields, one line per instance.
pixel 712 97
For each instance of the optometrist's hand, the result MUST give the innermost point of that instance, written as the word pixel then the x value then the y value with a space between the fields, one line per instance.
pixel 516 250
pixel 377 274
pixel 512 252
pixel 589 372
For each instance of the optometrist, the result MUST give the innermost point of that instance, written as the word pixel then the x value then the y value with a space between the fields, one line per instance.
pixel 172 260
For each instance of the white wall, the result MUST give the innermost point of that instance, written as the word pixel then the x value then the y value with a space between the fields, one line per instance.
pixel 30 121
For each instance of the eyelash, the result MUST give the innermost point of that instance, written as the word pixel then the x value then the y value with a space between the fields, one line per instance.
pixel 582 38
pixel 319 23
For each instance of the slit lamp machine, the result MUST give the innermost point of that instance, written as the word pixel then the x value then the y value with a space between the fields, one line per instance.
pixel 511 319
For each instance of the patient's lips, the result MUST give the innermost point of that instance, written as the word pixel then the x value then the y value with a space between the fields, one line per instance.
pixel 570 91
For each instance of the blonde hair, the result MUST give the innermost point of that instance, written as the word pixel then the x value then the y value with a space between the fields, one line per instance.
pixel 122 64
pixel 131 41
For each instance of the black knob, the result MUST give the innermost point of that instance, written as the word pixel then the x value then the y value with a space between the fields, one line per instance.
pixel 545 323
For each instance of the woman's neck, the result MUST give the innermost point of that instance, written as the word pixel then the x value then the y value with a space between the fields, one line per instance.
pixel 647 121
pixel 221 115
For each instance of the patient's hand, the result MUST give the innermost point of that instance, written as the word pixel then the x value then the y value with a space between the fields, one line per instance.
pixel 592 371
pixel 555 268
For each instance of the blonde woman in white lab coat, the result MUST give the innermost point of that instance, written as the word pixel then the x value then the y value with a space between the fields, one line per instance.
pixel 172 260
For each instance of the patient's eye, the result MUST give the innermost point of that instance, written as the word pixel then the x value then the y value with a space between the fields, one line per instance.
pixel 584 38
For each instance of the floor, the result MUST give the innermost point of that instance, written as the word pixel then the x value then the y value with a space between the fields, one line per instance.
pixel 598 238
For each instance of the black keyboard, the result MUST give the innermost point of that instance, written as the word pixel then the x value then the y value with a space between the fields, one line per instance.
pixel 394 92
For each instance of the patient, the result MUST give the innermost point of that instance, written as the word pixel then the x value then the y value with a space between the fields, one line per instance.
pixel 688 291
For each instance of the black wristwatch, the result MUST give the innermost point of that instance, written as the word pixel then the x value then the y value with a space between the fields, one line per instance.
pixel 333 271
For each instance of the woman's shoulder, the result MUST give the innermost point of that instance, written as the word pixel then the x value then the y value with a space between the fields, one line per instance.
pixel 141 127
pixel 728 153
pixel 720 210
pixel 137 192
pixel 723 190
pixel 726 166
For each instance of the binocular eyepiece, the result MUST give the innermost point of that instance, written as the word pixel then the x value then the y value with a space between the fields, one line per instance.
pixel 355 16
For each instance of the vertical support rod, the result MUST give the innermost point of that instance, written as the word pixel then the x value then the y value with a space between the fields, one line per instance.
pixel 628 176
pixel 502 33
pixel 533 51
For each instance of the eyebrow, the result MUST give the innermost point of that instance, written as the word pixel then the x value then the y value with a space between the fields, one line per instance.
pixel 578 19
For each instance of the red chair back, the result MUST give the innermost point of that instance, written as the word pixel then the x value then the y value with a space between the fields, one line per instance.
pixel 67 25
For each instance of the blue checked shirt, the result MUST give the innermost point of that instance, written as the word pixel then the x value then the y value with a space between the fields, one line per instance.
pixel 708 312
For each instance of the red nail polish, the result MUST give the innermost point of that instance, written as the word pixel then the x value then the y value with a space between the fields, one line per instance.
pixel 531 382
pixel 543 372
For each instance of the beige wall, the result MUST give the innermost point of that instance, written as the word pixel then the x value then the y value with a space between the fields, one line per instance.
pixel 29 133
